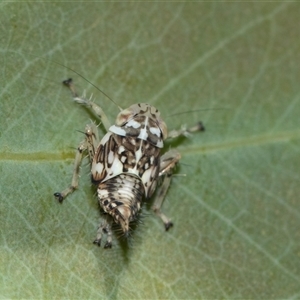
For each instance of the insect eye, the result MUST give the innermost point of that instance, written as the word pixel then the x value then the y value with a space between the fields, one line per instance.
pixel 163 127
pixel 123 117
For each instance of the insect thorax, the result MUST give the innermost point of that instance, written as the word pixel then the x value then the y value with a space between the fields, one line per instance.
pixel 127 161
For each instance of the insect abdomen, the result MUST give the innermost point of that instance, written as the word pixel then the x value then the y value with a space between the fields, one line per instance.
pixel 121 197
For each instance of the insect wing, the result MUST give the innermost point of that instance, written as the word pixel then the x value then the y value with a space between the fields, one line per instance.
pixel 106 163
pixel 121 154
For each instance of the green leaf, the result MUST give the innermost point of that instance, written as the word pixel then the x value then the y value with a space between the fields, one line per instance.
pixel 236 212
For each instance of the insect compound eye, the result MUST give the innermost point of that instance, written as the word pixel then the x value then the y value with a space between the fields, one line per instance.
pixel 124 116
pixel 129 113
pixel 163 127
pixel 159 121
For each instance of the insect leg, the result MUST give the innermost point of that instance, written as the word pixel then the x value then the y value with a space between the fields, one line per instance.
pixel 82 100
pixel 186 131
pixel 88 144
pixel 167 164
pixel 104 228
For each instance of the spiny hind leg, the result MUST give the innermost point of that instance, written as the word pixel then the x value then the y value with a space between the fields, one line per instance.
pixel 83 100
pixel 89 144
pixel 167 164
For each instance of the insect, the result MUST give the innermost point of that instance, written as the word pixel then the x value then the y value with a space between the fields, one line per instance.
pixel 127 165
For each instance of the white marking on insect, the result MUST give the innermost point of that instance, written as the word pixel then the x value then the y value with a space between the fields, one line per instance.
pixel 155 131
pixel 143 134
pixel 117 130
pixel 121 149
pixel 134 124
pixel 98 168
pixel 138 154
pixel 110 157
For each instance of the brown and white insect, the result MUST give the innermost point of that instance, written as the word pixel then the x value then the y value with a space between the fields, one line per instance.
pixel 127 165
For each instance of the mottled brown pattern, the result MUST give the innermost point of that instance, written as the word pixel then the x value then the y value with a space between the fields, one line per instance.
pixel 130 145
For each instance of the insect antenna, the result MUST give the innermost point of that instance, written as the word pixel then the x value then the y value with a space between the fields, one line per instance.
pixel 191 111
pixel 77 73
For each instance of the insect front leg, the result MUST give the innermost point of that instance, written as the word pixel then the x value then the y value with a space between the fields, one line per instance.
pixel 89 144
pixel 167 164
pixel 82 100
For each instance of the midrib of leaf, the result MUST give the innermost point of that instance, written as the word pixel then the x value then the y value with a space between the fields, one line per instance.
pixel 257 140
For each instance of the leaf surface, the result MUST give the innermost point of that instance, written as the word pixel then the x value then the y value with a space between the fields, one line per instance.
pixel 236 212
